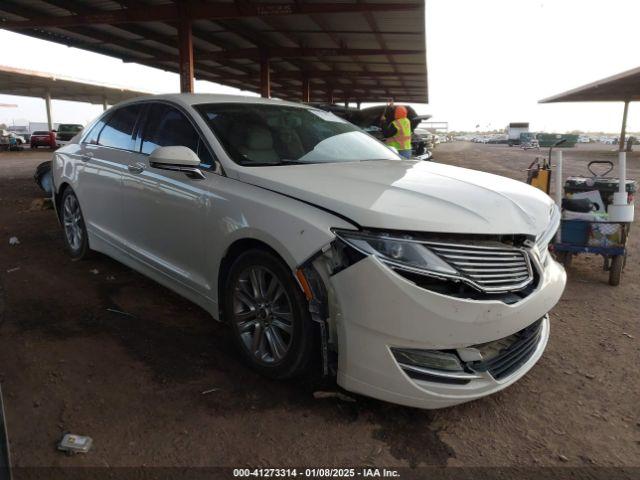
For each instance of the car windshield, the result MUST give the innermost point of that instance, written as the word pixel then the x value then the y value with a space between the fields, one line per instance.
pixel 264 135
pixel 70 128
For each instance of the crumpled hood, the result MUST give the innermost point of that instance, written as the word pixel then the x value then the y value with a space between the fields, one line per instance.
pixel 412 196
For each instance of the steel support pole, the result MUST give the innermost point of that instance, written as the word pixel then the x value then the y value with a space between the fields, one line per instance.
pixel 47 102
pixel 105 105
pixel 265 76
pixel 623 130
pixel 185 46
pixel 306 90
pixel 330 99
pixel 559 190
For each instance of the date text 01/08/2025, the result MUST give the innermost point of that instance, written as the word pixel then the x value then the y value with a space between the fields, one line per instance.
pixel 316 472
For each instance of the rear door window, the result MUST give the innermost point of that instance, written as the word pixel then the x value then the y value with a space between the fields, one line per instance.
pixel 118 131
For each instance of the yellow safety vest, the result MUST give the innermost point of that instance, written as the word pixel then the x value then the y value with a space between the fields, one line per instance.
pixel 402 139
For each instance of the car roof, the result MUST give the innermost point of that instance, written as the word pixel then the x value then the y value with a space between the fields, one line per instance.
pixel 191 99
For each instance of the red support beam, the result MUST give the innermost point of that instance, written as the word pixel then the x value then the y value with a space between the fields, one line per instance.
pixel 185 44
pixel 206 11
pixel 306 90
pixel 330 96
pixel 265 76
pixel 285 52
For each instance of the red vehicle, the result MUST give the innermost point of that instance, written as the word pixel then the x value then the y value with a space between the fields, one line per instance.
pixel 43 138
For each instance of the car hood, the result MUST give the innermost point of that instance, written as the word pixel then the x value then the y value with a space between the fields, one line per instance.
pixel 412 196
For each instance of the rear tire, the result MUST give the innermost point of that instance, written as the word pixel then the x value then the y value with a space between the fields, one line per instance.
pixel 268 315
pixel 75 231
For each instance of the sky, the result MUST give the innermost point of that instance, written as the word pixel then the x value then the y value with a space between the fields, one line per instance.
pixel 489 62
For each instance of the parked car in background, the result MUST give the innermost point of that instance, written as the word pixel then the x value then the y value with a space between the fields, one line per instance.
pixel 584 139
pixel 5 140
pixel 66 131
pixel 43 138
pixel 424 284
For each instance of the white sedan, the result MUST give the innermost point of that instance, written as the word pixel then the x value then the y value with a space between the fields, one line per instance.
pixel 417 283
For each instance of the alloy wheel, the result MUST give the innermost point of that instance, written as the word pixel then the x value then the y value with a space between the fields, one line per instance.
pixel 72 220
pixel 263 314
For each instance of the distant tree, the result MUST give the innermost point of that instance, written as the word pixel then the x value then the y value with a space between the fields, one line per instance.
pixel 3 126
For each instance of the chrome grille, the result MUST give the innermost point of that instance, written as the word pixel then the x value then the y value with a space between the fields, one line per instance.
pixel 491 269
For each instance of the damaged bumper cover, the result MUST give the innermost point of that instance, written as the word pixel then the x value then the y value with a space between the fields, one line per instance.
pixel 376 313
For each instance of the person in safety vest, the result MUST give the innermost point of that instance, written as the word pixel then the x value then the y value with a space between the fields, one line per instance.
pixel 398 133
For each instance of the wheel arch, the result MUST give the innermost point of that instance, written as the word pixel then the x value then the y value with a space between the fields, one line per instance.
pixel 233 251
pixel 57 196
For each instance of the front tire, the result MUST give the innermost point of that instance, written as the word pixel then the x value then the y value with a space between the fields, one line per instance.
pixel 269 315
pixel 75 231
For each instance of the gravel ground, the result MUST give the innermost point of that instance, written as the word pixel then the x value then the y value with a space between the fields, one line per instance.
pixel 134 381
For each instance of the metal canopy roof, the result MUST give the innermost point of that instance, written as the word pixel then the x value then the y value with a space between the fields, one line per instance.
pixel 358 50
pixel 623 87
pixel 14 81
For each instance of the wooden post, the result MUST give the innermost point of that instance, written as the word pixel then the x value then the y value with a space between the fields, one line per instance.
pixel 185 47
pixel 47 102
pixel 105 105
pixel 265 76
pixel 306 90
pixel 623 131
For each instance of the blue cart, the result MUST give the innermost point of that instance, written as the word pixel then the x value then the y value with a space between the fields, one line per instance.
pixel 608 239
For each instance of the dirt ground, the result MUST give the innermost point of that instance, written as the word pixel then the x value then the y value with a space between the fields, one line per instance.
pixel 70 361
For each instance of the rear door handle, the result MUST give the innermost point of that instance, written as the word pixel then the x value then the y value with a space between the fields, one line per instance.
pixel 86 157
pixel 136 168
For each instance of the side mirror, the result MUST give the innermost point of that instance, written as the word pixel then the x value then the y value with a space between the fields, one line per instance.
pixel 178 159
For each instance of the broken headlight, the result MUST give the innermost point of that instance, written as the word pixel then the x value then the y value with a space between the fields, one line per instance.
pixel 543 240
pixel 398 252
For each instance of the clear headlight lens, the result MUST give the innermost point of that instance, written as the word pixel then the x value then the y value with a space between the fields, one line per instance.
pixel 398 252
pixel 543 240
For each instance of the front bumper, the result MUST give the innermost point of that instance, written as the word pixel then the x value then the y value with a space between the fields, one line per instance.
pixel 379 310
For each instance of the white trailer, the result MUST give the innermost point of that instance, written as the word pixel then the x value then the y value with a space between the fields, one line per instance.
pixel 514 130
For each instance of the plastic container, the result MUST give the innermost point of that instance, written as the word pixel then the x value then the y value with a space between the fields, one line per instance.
pixel 575 232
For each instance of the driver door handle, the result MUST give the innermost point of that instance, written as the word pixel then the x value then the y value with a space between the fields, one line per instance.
pixel 136 168
pixel 86 157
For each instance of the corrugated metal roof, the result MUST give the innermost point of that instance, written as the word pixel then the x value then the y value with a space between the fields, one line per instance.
pixel 624 86
pixel 15 81
pixel 349 75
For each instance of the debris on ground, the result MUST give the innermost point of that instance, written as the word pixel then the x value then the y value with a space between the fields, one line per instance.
pixel 628 335
pixel 590 376
pixel 563 458
pixel 71 443
pixel 11 270
pixel 111 277
pixel 120 312
pixel 41 204
pixel 318 395
pixel 14 241
pixel 211 390
pixel 95 271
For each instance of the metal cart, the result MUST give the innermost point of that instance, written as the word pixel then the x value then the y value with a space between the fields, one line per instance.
pixel 614 252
